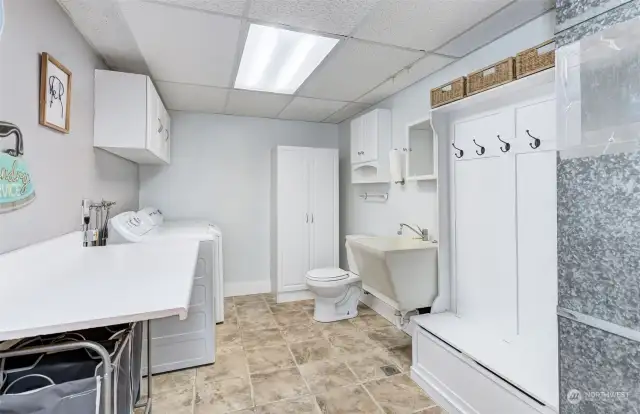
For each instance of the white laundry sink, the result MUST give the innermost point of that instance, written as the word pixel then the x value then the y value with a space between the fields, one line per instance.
pixel 390 244
pixel 401 271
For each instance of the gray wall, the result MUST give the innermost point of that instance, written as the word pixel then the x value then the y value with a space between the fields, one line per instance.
pixel 221 171
pixel 64 168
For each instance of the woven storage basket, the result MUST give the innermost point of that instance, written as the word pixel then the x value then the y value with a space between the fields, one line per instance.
pixel 537 58
pixel 448 92
pixel 495 75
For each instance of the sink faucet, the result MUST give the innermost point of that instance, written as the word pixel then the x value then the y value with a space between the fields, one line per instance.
pixel 423 233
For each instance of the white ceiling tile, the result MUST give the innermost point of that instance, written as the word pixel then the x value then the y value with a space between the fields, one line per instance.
pixel 234 7
pixel 424 24
pixel 407 77
pixel 181 45
pixel 196 98
pixel 354 69
pixel 347 112
pixel 507 19
pixel 251 103
pixel 308 109
pixel 104 27
pixel 331 16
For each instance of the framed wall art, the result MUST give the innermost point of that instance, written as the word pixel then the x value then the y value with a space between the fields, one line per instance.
pixel 55 94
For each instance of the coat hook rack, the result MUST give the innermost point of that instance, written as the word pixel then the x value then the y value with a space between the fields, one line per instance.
pixel 536 141
pixel 482 149
pixel 366 196
pixel 506 147
pixel 460 152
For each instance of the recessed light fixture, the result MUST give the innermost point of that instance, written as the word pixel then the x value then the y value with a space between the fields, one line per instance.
pixel 279 60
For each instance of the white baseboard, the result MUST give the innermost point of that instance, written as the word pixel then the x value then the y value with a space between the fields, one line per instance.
pixel 282 297
pixel 386 311
pixel 246 288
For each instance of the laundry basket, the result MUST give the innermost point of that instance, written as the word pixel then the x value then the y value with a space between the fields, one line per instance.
pixel 64 374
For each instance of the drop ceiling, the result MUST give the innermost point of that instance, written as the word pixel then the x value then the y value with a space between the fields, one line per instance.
pixel 192 48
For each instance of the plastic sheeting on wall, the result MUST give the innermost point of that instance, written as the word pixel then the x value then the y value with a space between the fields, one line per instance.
pixel 598 93
pixel 1 18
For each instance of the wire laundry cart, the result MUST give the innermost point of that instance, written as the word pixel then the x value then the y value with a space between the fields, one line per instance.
pixel 96 370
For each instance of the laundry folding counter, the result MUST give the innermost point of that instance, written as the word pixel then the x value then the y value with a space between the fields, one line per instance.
pixel 71 321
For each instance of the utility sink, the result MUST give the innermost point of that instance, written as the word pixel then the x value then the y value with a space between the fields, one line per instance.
pixel 401 271
pixel 391 244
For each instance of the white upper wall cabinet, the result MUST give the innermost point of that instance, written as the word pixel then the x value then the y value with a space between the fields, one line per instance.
pixel 130 119
pixel 370 146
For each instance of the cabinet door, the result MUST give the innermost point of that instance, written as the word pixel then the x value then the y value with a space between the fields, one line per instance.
pixel 485 238
pixel 370 134
pixel 155 123
pixel 324 208
pixel 356 140
pixel 539 119
pixel 294 218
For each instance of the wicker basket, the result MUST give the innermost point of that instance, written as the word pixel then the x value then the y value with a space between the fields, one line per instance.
pixel 448 92
pixel 537 58
pixel 491 76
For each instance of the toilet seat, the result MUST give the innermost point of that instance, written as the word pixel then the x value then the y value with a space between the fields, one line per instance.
pixel 329 274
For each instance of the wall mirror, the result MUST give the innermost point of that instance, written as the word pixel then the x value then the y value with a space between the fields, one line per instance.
pixel 421 151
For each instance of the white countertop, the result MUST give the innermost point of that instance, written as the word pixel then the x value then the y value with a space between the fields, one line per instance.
pixel 58 285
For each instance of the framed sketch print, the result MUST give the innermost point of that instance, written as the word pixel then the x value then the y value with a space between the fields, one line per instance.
pixel 55 94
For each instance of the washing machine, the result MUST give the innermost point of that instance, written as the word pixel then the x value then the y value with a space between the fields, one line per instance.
pixel 180 344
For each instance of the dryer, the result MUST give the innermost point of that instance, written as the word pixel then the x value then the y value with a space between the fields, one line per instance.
pixel 181 344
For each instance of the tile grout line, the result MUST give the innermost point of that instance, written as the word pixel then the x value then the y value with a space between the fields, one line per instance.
pixel 340 359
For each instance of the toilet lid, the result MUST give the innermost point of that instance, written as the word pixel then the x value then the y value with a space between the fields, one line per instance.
pixel 327 274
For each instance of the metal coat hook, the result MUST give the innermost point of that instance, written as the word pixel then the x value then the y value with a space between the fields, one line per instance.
pixel 460 152
pixel 536 141
pixel 481 152
pixel 506 147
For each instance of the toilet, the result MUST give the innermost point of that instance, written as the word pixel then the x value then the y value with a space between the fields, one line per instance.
pixel 336 291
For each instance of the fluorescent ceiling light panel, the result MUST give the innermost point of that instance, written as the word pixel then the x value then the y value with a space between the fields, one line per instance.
pixel 278 60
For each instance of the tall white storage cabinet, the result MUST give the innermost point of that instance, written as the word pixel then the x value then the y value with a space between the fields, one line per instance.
pixel 304 217
pixel 130 119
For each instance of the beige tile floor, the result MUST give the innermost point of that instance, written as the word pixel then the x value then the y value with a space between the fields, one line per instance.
pixel 275 359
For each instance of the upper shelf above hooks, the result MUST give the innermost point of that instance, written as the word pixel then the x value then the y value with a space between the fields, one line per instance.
pixel 540 83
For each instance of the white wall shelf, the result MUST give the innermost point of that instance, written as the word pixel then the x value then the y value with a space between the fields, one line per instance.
pixel 520 89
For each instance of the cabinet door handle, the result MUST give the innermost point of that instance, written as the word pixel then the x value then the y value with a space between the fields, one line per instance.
pixel 307 217
pixel 167 138
pixel 161 128
pixel 312 218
